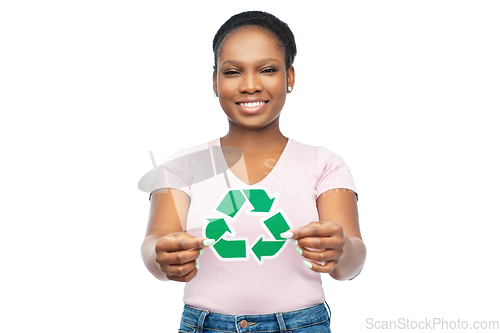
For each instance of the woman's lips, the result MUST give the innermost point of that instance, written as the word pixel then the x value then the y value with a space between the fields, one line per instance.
pixel 251 108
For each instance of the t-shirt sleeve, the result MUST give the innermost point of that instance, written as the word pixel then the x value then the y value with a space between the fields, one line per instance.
pixel 332 172
pixel 174 172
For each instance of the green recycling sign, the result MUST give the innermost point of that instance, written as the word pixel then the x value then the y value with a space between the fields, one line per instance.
pixel 228 246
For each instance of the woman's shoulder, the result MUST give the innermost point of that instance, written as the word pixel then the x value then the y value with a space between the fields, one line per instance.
pixel 180 153
pixel 318 152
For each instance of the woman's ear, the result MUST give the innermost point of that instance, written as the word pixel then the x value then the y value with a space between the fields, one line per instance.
pixel 214 79
pixel 290 77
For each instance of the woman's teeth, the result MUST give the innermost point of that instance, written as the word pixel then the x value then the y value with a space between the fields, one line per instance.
pixel 252 105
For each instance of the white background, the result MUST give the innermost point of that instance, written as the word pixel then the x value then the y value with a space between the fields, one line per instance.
pixel 404 91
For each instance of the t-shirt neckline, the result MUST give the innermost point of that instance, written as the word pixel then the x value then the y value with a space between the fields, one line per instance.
pixel 280 161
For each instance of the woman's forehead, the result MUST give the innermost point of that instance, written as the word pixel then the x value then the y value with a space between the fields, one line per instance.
pixel 250 44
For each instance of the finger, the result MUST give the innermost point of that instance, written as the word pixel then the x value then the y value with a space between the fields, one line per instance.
pixel 314 229
pixel 172 244
pixel 320 256
pixel 178 257
pixel 326 268
pixel 190 276
pixel 336 242
pixel 185 278
pixel 176 272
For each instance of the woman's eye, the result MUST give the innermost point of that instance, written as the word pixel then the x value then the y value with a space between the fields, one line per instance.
pixel 269 70
pixel 230 72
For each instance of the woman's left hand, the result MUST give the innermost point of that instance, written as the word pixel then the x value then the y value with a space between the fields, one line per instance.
pixel 321 242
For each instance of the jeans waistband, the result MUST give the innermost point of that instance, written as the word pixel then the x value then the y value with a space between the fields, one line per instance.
pixel 282 321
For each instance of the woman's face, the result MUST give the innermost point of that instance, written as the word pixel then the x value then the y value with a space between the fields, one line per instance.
pixel 251 78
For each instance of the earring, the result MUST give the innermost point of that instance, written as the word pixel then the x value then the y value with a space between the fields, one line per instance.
pixel 289 89
pixel 215 94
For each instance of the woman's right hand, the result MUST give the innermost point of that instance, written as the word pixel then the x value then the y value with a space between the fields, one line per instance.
pixel 177 255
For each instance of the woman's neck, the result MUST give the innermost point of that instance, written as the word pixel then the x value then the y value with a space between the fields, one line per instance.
pixel 265 139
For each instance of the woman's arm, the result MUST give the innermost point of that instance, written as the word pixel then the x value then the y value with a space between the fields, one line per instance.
pixel 340 206
pixel 168 252
pixel 335 238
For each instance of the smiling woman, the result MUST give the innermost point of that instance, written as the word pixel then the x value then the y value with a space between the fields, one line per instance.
pixel 248 247
pixel 251 79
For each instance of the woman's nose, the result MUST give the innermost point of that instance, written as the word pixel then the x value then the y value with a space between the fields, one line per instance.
pixel 251 83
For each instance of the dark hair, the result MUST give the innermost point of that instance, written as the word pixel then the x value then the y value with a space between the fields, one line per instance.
pixel 264 20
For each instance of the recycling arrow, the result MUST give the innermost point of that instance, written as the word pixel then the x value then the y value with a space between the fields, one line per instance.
pixel 259 200
pixel 276 224
pixel 266 248
pixel 231 203
pixel 216 228
pixel 231 249
pixel 225 248
pixel 236 249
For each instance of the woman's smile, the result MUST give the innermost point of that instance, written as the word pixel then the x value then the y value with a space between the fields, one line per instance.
pixel 252 106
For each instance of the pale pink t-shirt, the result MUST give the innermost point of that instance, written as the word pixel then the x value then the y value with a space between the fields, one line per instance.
pixel 239 274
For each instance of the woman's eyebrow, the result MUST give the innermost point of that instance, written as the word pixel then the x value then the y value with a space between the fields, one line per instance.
pixel 235 62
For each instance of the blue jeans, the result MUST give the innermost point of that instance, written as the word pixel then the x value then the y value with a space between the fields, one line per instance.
pixel 314 319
